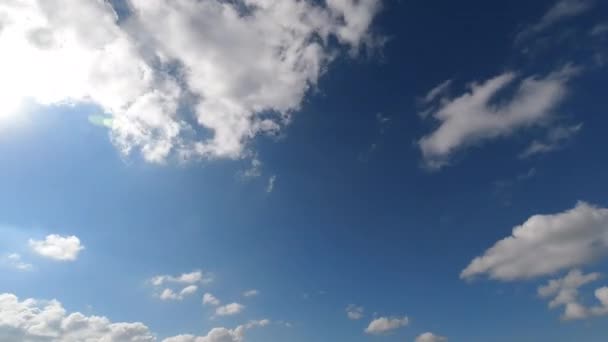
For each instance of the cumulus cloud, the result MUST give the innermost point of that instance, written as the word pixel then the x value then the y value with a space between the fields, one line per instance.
pixel 484 112
pixel 354 312
pixel 565 292
pixel 209 299
pixel 34 320
pixel 242 67
pixel 221 334
pixel 430 337
pixel 169 294
pixel 180 286
pixel 229 309
pixel 384 325
pixel 57 247
pixel 546 244
pixel 561 10
pixel 193 277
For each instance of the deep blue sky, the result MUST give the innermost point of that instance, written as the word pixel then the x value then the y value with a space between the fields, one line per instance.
pixel 346 223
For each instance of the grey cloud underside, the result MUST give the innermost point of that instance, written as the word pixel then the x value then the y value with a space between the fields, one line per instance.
pixel 248 70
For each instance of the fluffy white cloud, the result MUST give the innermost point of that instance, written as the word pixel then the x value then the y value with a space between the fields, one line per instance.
pixel 561 10
pixel 546 244
pixel 221 334
pixel 247 64
pixel 169 294
pixel 57 247
pixel 251 293
pixel 383 325
pixel 430 337
pixel 32 320
pixel 209 299
pixel 565 292
pixel 229 309
pixel 354 312
pixel 478 115
pixel 193 277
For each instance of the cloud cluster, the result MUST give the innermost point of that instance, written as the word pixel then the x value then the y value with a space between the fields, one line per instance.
pixel 57 247
pixel 239 67
pixel 383 325
pixel 186 282
pixel 564 292
pixel 14 260
pixel 546 244
pixel 34 320
pixel 485 111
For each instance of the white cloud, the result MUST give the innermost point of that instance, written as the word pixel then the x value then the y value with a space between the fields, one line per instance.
pixel 169 294
pixel 248 64
pixel 546 244
pixel 561 10
pixel 33 320
pixel 14 260
pixel 251 293
pixel 478 116
pixel 221 334
pixel 554 140
pixel 430 337
pixel 354 312
pixel 57 247
pixel 270 186
pixel 229 309
pixel 386 324
pixel 193 277
pixel 209 299
pixel 565 292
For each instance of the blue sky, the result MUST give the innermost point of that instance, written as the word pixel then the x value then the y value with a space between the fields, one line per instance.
pixel 324 171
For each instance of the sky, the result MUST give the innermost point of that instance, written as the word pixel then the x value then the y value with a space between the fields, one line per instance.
pixel 290 170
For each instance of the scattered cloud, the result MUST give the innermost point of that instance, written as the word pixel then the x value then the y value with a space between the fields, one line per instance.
pixel 169 294
pixel 430 337
pixel 57 247
pixel 384 325
pixel 251 293
pixel 229 309
pixel 180 286
pixel 555 139
pixel 254 170
pixel 193 277
pixel 221 334
pixel 270 186
pixel 560 11
pixel 354 312
pixel 209 299
pixel 546 244
pixel 484 113
pixel 599 29
pixel 35 320
pixel 14 260
pixel 240 67
pixel 565 292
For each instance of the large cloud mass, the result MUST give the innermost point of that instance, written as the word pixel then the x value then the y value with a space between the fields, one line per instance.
pixel 546 244
pixel 240 66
